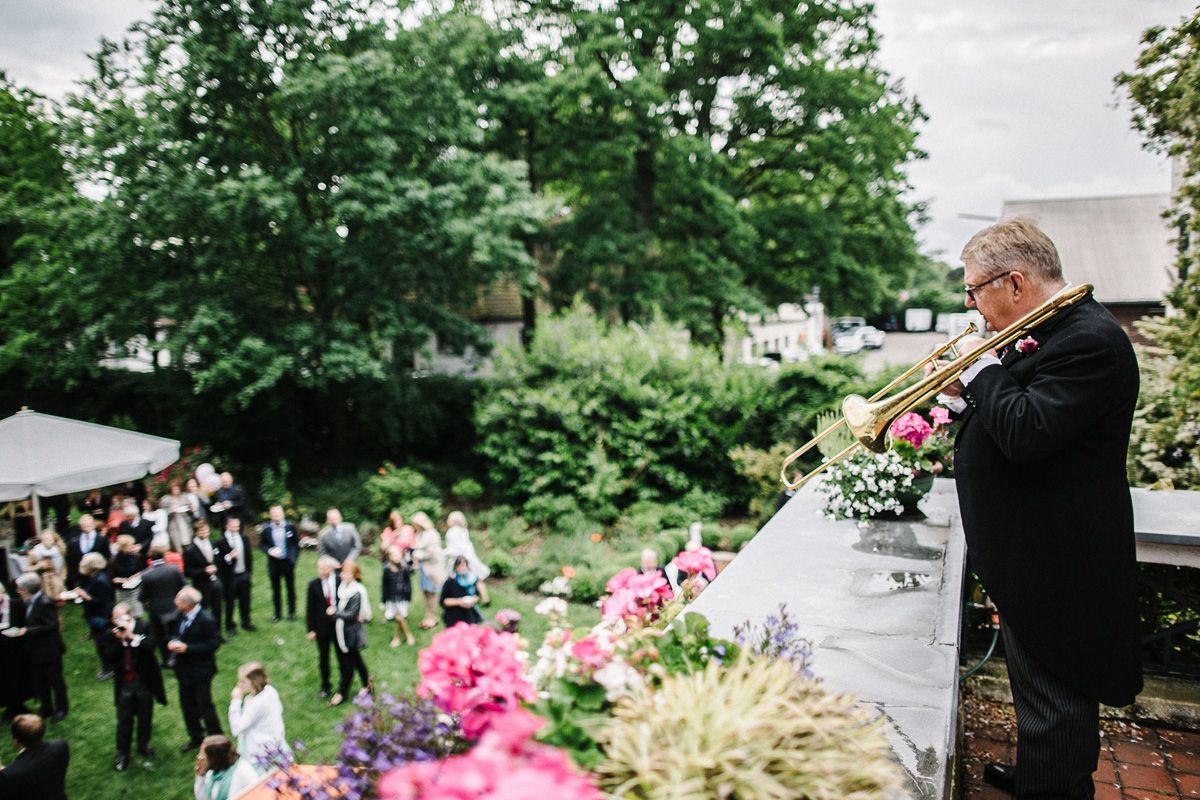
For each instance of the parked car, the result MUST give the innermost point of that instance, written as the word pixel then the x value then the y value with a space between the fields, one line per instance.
pixel 849 342
pixel 872 337
pixel 844 324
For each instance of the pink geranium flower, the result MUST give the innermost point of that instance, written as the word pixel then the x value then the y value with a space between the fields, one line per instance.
pixel 591 653
pixel 697 562
pixel 474 671
pixel 634 594
pixel 939 415
pixel 912 428
pixel 505 765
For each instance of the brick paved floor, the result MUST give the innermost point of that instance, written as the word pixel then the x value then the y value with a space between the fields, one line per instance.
pixel 1137 762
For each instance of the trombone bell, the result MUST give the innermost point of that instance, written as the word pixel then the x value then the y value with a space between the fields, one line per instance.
pixel 869 429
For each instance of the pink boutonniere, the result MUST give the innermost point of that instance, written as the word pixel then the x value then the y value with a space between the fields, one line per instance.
pixel 1027 345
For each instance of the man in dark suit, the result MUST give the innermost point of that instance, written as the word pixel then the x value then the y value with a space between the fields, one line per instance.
pixel 1040 468
pixel 202 569
pixel 229 501
pixel 129 645
pixel 40 768
pixel 44 647
pixel 279 540
pixel 160 583
pixel 142 530
pixel 322 595
pixel 235 557
pixel 195 644
pixel 14 687
pixel 87 540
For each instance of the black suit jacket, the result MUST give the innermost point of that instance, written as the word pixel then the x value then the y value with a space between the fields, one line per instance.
pixel 291 550
pixel 43 636
pixel 1040 468
pixel 39 772
pixel 142 532
pixel 194 564
pixel 319 621
pixel 144 657
pixel 75 554
pixel 203 639
pixel 160 583
pixel 223 548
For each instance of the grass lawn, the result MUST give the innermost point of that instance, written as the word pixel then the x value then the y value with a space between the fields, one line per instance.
pixel 291 662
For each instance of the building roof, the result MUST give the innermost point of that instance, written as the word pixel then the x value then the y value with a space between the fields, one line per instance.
pixel 1122 245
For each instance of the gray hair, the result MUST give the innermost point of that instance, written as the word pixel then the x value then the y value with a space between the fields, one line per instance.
pixel 91 563
pixel 123 608
pixel 190 595
pixel 1015 244
pixel 329 561
pixel 29 582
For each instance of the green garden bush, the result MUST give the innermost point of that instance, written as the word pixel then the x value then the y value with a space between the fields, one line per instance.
pixel 393 487
pixel 467 489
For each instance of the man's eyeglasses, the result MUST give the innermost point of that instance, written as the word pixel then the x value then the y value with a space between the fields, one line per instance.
pixel 971 290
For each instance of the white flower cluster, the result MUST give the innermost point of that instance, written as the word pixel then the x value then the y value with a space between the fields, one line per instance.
pixel 552 607
pixel 558 585
pixel 865 485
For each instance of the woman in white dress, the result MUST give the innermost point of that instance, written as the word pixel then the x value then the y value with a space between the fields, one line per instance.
pixel 427 553
pixel 256 714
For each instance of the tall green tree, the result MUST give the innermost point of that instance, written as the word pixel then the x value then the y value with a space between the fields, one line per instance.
pixel 716 155
pixel 295 196
pixel 1165 90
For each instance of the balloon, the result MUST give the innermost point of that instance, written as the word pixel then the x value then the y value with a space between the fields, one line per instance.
pixel 211 483
pixel 203 471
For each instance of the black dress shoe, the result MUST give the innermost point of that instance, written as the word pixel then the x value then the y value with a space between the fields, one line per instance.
pixel 121 763
pixel 231 630
pixel 249 628
pixel 292 617
pixel 58 716
pixel 324 694
pixel 1002 776
pixel 147 752
pixel 190 746
pixel 275 618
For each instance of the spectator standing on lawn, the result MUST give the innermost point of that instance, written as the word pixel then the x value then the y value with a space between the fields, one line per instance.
pixel 256 713
pixel 279 540
pixel 427 555
pixel 397 591
pixel 40 768
pixel 339 539
pixel 395 533
pixel 161 582
pixel 458 543
pixel 236 561
pixel 323 595
pixel 126 563
pixel 180 517
pixel 89 540
pixel 351 636
pixel 461 594
pixel 96 591
pixel 138 683
pixel 195 644
pixel 202 569
pixel 44 647
pixel 229 501
pixel 49 559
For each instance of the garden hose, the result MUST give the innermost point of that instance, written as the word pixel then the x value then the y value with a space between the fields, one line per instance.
pixel 991 647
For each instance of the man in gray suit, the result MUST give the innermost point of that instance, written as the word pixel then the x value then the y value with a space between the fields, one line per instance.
pixel 339 540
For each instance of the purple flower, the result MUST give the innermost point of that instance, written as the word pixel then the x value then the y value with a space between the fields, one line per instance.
pixel 1027 345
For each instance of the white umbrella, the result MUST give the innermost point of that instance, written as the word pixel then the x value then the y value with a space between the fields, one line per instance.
pixel 48 455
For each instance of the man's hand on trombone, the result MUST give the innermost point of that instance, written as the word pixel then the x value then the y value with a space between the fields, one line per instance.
pixel 955 389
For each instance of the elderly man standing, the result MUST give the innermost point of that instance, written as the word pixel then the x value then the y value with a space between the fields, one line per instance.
pixel 1040 467
pixel 44 647
pixel 339 540
pixel 195 644
pixel 322 596
pixel 89 540
pixel 129 645
pixel 160 583
pixel 235 557
pixel 279 540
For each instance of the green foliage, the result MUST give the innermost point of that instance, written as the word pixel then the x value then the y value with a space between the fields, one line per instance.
pixel 793 739
pixel 467 489
pixel 399 488
pixel 344 492
pixel 274 486
pixel 760 468
pixel 501 562
pixel 608 416
pixel 1165 445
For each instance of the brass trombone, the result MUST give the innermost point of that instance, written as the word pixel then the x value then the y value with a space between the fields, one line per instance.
pixel 870 419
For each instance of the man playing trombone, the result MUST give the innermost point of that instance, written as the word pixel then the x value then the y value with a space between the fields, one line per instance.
pixel 1040 467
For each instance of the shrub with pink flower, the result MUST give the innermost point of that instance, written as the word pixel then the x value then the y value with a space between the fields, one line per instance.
pixel 697 562
pixel 940 416
pixel 592 652
pixel 505 765
pixel 912 428
pixel 475 672
pixel 635 596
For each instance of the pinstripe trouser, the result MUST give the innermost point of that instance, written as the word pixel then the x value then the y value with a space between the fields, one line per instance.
pixel 1058 730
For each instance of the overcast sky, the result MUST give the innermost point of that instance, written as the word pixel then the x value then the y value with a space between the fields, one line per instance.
pixel 1019 96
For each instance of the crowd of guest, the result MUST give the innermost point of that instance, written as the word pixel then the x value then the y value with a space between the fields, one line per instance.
pixel 160 596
